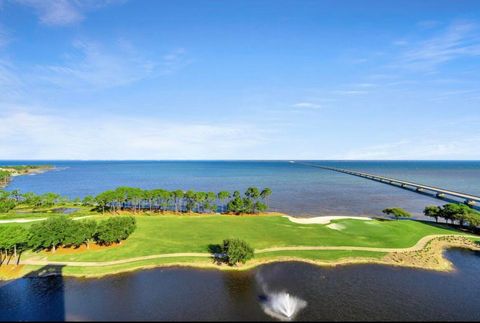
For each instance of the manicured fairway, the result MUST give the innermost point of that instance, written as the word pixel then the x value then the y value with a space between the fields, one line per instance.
pixel 180 234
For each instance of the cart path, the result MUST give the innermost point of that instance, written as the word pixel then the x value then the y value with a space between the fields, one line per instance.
pixel 418 246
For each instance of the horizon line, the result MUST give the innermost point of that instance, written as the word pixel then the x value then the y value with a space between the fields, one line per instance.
pixel 226 160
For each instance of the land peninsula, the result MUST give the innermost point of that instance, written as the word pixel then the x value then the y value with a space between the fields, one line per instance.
pixel 171 235
pixel 7 172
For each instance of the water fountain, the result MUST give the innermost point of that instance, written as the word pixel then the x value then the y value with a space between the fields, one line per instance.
pixel 279 305
pixel 282 305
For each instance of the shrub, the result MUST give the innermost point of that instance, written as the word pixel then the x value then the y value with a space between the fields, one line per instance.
pixel 236 251
pixel 397 212
pixel 7 203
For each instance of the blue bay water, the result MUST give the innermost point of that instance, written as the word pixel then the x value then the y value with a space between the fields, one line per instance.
pixel 297 189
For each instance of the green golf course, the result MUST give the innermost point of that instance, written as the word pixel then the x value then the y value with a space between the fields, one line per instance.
pixel 187 240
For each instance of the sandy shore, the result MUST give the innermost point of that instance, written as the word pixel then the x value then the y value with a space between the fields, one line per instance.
pixel 324 219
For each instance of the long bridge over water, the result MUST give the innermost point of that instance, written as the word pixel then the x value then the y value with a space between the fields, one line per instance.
pixel 437 192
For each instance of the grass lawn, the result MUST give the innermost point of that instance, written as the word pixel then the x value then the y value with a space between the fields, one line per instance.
pixel 174 234
pixel 23 212
pixel 163 234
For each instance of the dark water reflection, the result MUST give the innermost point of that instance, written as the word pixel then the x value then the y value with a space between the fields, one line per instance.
pixel 360 292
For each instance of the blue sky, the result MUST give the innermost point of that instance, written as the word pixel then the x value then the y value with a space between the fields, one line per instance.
pixel 239 79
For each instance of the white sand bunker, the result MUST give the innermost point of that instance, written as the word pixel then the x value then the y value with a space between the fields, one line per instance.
pixel 325 219
pixel 336 226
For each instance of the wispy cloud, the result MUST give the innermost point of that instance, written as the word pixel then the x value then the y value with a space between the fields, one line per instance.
pixel 94 66
pixel 175 60
pixel 400 42
pixel 427 24
pixel 350 92
pixel 307 105
pixel 4 37
pixel 64 12
pixel 421 148
pixel 10 82
pixel 459 40
pixel 43 136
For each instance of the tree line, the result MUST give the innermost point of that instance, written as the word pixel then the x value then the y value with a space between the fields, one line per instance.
pixel 455 213
pixel 160 200
pixel 11 199
pixel 451 212
pixel 60 231
pixel 135 200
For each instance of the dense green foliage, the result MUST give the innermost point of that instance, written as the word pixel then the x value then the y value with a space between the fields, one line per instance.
pixel 11 199
pixel 53 232
pixel 13 239
pixel 252 202
pixel 6 202
pixel 138 200
pixel 114 230
pixel 397 212
pixel 454 213
pixel 236 251
pixel 159 200
pixel 62 231
pixel 4 177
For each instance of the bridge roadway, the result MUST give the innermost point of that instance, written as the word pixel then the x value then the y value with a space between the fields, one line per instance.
pixel 439 192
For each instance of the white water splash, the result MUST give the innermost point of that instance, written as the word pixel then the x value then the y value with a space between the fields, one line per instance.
pixel 279 305
pixel 283 306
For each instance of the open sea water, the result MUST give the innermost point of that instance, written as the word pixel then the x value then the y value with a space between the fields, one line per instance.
pixel 297 189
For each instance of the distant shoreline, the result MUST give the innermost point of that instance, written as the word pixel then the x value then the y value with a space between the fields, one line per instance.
pixel 21 170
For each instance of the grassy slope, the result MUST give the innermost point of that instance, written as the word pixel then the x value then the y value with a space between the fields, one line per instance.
pixel 172 234
pixel 159 234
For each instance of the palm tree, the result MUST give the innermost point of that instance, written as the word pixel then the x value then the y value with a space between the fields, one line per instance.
pixel 200 200
pixel 252 194
pixel 265 194
pixel 177 197
pixel 149 195
pixel 189 200
pixel 222 196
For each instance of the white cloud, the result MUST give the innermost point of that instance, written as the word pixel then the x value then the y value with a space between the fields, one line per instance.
pixel 94 66
pixel 63 12
pixel 459 40
pixel 10 83
pixel 26 135
pixel 4 37
pixel 400 42
pixel 422 148
pixel 175 60
pixel 307 105
pixel 350 92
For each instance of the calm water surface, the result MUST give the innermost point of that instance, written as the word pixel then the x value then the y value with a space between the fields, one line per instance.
pixel 297 189
pixel 360 292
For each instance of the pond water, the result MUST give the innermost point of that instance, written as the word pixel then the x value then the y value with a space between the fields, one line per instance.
pixel 356 292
